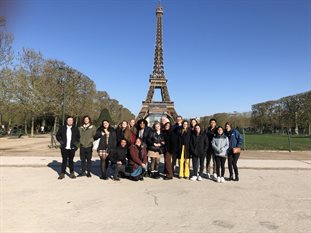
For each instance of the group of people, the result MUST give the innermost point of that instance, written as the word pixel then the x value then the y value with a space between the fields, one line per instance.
pixel 133 149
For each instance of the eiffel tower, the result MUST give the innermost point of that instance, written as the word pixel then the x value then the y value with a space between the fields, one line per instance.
pixel 153 110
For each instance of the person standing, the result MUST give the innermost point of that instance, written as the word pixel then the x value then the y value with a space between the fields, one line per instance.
pixel 220 144
pixel 87 133
pixel 156 148
pixel 106 143
pixel 210 156
pixel 169 150
pixel 174 140
pixel 68 136
pixel 143 131
pixel 193 123
pixel 235 141
pixel 198 148
pixel 123 132
pixel 133 130
pixel 184 150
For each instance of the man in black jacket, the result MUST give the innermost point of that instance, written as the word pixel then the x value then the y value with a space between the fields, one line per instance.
pixel 210 156
pixel 68 136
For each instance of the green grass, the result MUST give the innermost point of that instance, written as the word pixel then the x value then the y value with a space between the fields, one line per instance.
pixel 277 142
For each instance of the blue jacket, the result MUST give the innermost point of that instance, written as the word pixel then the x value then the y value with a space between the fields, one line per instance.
pixel 235 139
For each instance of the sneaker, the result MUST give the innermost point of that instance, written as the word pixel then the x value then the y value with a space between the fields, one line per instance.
pixel 222 180
pixel 199 178
pixel 61 176
pixel 167 178
pixel 236 178
pixel 208 176
pixel 88 175
pixel 194 178
pixel 218 179
pixel 72 176
pixel 215 176
pixel 116 179
pixel 231 178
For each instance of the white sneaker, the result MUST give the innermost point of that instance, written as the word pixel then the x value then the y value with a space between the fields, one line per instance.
pixel 193 178
pixel 222 180
pixel 215 176
pixel 199 178
pixel 218 179
pixel 208 176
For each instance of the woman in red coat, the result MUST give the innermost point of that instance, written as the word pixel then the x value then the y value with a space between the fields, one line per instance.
pixel 138 159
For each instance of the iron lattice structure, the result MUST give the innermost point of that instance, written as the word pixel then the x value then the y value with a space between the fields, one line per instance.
pixel 157 80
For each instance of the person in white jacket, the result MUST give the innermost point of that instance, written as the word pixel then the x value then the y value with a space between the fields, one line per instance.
pixel 220 144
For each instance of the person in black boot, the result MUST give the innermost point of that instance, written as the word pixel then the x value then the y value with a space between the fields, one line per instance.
pixel 118 158
pixel 235 143
pixel 87 133
pixel 156 148
pixel 68 136
pixel 106 144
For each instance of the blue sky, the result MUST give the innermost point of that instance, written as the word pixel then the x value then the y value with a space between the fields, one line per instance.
pixel 219 56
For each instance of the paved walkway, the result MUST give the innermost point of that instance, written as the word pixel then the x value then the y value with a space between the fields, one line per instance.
pixel 273 195
pixel 36 161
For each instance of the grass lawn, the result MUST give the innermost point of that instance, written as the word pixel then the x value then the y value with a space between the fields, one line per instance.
pixel 276 142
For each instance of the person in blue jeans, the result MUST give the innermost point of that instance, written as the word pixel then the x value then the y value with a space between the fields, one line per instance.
pixel 235 141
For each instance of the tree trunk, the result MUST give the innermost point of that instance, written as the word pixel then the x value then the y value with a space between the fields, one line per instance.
pixel 32 126
pixel 77 119
pixel 55 125
pixel 309 129
pixel 26 132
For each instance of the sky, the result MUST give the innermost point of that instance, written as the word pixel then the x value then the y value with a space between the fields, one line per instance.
pixel 219 55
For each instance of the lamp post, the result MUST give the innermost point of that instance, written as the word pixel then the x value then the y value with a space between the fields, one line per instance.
pixel 63 79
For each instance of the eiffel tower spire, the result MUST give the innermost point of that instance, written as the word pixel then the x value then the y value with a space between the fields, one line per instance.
pixel 157 79
pixel 158 67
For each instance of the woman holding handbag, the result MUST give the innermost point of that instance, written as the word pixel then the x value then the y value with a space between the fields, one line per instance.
pixel 235 143
pixel 107 142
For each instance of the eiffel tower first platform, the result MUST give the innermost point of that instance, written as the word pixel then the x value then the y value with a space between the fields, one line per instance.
pixel 153 110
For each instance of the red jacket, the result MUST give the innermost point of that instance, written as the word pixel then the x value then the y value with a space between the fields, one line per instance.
pixel 134 156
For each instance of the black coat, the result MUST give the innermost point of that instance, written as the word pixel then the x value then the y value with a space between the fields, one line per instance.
pixel 61 136
pixel 199 145
pixel 174 139
pixel 146 134
pixel 112 141
pixel 118 154
pixel 169 142
pixel 156 138
pixel 183 139
pixel 210 133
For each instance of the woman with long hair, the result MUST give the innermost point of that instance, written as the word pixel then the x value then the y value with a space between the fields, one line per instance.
pixel 123 132
pixel 156 148
pixel 169 150
pixel 235 141
pixel 107 142
pixel 220 144
pixel 183 142
pixel 198 148
pixel 138 159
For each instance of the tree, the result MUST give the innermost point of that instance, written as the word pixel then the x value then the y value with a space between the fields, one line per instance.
pixel 104 115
